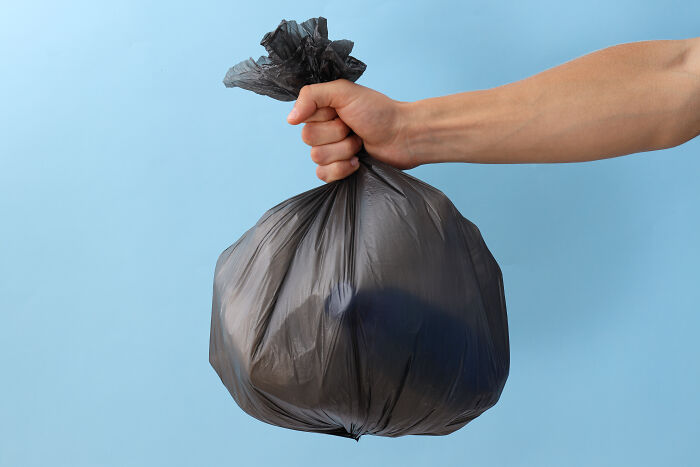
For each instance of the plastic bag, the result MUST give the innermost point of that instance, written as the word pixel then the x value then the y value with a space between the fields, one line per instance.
pixel 368 305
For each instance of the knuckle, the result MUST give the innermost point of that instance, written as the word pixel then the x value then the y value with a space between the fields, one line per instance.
pixel 335 170
pixel 321 174
pixel 310 89
pixel 307 134
pixel 343 83
pixel 317 154
pixel 304 91
pixel 339 169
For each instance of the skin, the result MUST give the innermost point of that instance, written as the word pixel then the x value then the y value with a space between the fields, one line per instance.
pixel 630 98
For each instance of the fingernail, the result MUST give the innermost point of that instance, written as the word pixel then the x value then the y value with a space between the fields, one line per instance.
pixel 293 114
pixel 354 162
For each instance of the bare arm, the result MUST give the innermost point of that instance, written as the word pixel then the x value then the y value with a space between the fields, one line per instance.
pixel 624 99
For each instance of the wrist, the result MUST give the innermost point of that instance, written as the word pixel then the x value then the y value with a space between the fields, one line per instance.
pixel 443 129
pixel 416 138
pixel 464 127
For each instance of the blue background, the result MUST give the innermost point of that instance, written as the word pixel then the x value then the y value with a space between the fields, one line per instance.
pixel 126 167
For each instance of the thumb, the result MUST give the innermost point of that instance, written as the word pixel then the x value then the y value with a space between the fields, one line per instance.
pixel 315 96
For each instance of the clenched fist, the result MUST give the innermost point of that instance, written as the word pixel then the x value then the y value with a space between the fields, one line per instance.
pixel 340 116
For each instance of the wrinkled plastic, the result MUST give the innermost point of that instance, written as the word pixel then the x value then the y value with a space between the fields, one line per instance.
pixel 368 305
pixel 299 54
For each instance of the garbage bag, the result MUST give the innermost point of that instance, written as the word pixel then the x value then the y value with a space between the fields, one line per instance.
pixel 368 305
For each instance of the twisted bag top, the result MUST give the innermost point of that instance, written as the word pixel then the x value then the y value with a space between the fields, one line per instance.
pixel 300 54
pixel 368 305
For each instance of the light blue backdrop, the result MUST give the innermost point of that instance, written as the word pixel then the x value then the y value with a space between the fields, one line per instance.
pixel 126 167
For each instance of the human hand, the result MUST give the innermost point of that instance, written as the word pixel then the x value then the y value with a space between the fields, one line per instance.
pixel 340 116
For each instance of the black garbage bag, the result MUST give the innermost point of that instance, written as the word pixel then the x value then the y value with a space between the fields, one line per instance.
pixel 368 305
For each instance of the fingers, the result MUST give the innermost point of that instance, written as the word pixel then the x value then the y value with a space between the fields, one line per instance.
pixel 342 150
pixel 337 170
pixel 323 114
pixel 316 96
pixel 331 147
pixel 337 160
pixel 317 133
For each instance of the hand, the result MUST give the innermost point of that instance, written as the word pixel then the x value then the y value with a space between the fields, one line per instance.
pixel 331 110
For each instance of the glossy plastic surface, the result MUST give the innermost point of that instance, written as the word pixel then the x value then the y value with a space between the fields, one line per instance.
pixel 365 306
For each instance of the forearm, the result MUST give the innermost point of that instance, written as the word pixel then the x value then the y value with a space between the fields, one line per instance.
pixel 629 98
